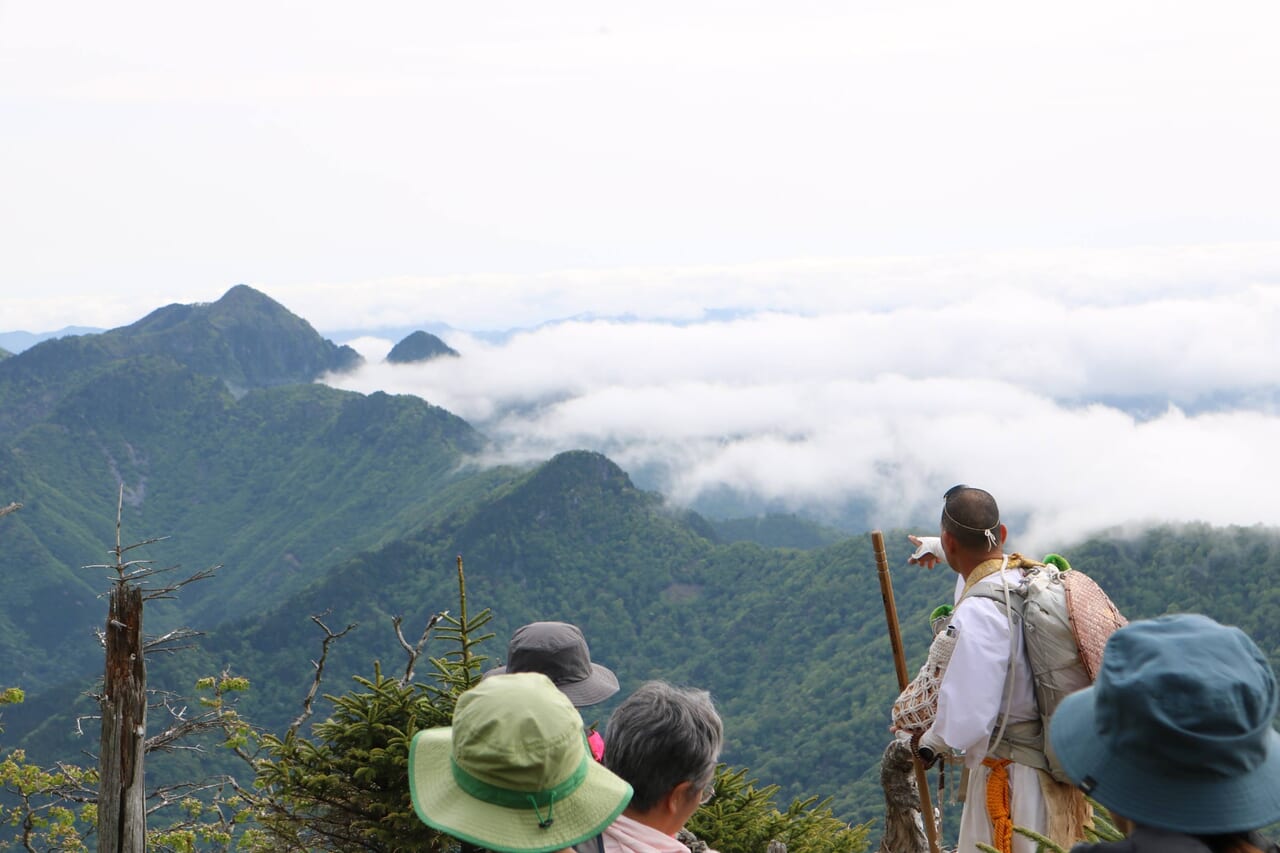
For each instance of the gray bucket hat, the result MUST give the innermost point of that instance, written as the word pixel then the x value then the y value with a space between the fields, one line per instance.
pixel 1177 732
pixel 559 651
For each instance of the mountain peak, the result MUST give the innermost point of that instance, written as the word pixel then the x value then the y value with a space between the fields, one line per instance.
pixel 246 338
pixel 420 346
pixel 578 492
pixel 586 467
pixel 245 293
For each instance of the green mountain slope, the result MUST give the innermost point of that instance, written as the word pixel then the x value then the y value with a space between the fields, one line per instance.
pixel 777 530
pixel 275 484
pixel 791 643
pixel 324 502
pixel 245 339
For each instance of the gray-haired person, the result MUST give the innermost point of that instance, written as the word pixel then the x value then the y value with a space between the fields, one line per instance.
pixel 665 742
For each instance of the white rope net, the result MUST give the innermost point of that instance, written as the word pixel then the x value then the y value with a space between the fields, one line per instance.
pixel 917 705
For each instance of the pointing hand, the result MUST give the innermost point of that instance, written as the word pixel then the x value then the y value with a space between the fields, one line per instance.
pixel 928 551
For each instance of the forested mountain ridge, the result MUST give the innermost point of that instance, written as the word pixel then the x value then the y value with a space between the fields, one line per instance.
pixel 319 501
pixel 246 339
pixel 274 482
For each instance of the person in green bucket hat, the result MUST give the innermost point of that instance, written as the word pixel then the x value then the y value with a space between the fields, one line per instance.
pixel 513 773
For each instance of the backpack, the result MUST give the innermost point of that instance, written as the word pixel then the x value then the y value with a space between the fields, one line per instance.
pixel 1066 619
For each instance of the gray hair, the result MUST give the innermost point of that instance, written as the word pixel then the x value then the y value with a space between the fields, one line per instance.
pixel 662 736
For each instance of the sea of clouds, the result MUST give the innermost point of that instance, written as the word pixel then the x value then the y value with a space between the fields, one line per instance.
pixel 1084 389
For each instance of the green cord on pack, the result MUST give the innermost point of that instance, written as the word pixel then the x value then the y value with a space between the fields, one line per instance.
pixel 1057 560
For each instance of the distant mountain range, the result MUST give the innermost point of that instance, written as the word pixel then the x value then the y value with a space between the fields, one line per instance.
pixel 13 342
pixel 319 501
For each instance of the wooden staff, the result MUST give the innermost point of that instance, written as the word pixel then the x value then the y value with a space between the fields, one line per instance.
pixel 900 662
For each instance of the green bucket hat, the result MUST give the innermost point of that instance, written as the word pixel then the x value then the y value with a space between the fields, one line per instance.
pixel 514 773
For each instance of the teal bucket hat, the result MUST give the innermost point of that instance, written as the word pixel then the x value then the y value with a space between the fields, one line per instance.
pixel 1177 731
pixel 513 773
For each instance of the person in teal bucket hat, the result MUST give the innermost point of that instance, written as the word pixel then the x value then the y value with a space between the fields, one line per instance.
pixel 1176 738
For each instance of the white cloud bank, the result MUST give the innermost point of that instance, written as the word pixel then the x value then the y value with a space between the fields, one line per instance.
pixel 888 381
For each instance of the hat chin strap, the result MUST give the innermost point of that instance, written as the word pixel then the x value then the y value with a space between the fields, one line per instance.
pixel 512 798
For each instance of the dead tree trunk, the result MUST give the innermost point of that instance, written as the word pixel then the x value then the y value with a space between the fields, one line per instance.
pixel 122 817
pixel 903 827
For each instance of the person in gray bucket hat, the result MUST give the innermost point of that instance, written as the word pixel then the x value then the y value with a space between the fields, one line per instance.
pixel 1176 738
pixel 559 651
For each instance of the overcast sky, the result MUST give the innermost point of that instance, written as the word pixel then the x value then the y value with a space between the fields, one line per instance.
pixel 899 202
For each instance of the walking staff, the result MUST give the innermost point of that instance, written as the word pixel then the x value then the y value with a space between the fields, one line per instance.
pixel 900 663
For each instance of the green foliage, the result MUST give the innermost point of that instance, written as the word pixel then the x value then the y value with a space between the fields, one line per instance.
pixel 50 809
pixel 347 786
pixel 47 807
pixel 1102 829
pixel 743 818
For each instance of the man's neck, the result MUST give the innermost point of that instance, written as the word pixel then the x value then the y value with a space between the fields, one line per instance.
pixel 967 566
pixel 985 569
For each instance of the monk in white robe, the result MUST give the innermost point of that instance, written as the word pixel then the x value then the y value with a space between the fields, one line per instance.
pixel 980 688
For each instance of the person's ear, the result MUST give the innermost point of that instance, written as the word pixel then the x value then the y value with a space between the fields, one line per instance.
pixel 949 544
pixel 680 795
pixel 1004 534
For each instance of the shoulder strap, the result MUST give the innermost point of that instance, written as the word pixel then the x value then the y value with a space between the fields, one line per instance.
pixel 1013 608
pixel 995 593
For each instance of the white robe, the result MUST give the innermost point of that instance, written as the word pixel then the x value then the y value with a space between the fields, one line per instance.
pixel 971 697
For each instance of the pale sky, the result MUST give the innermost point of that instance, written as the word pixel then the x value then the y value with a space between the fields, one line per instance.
pixel 884 196
pixel 158 151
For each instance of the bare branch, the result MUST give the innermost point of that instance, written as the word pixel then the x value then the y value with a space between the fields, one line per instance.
pixel 123 564
pixel 329 637
pixel 168 795
pixel 414 651
pixel 164 643
pixel 166 592
pixel 153 540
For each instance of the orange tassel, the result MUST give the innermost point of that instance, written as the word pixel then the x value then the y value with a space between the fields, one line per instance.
pixel 999 808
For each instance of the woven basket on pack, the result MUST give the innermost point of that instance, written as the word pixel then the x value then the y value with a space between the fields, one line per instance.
pixel 1093 619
